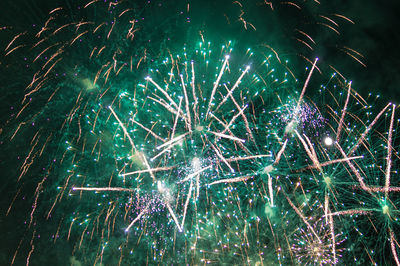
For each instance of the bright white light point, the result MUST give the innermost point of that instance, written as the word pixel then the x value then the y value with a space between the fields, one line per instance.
pixel 160 187
pixel 327 180
pixel 268 169
pixel 199 128
pixel 164 191
pixel 196 164
pixel 385 209
pixel 328 141
pixel 291 127
pixel 147 78
pixel 227 56
pixel 248 67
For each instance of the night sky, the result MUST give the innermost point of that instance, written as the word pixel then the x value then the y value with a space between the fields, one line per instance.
pixel 375 35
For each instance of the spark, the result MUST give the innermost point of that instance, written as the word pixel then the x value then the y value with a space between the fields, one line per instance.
pixel 389 153
pixel 231 180
pixel 343 113
pixel 216 83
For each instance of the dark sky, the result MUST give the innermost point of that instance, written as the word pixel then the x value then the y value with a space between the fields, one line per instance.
pixel 375 35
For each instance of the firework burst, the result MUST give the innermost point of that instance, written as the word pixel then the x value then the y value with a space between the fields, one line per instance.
pixel 215 153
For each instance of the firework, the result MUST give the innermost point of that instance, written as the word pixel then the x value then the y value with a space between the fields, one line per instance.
pixel 145 150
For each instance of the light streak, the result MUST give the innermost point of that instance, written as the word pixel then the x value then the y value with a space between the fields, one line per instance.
pixel 216 83
pixel 231 180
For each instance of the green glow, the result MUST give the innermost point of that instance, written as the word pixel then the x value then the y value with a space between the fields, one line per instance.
pixel 175 144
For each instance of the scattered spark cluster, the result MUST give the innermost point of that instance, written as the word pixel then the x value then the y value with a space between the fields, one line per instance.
pixel 204 153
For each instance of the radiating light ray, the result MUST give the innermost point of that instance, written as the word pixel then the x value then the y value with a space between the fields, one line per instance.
pixel 196 173
pixel 361 180
pixel 389 153
pixel 231 180
pixel 300 100
pixel 335 161
pixel 216 84
pixel 199 128
pixel 365 133
pixel 189 122
pixel 393 247
pixel 243 116
pixel 97 189
pixel 221 135
pixel 173 216
pixel 350 212
pixel 176 119
pixel 187 203
pixel 233 119
pixel 148 130
pixel 218 153
pixel 271 192
pixel 163 92
pixel 281 151
pixel 343 113
pixel 147 171
pixel 123 128
pixel 302 217
pixel 173 141
pixel 248 157
pixel 233 88
pixel 310 151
